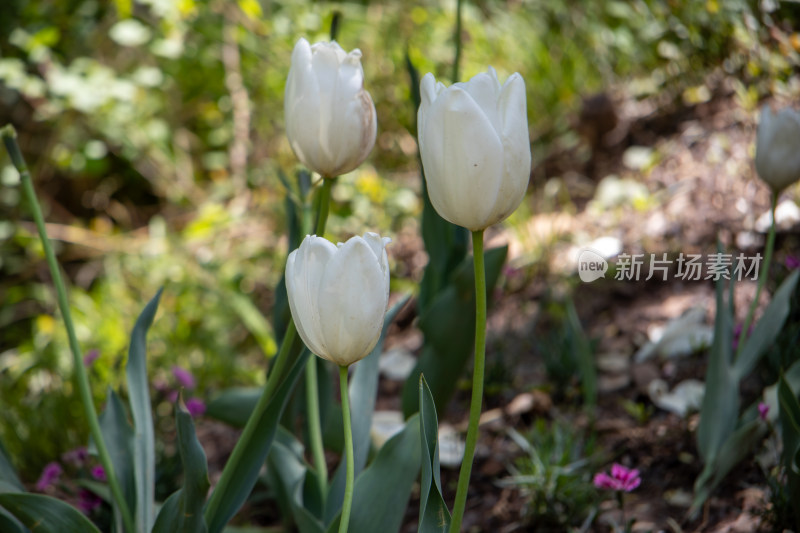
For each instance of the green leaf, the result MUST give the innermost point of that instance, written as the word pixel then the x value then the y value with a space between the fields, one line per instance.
pixel 7 472
pixel 767 328
pixel 382 491
pixel 363 391
pixel 585 359
pixel 449 328
pixel 183 510
pixel 144 453
pixel 119 437
pixel 789 414
pixel 235 405
pixel 253 320
pixel 255 453
pixel 433 512
pixel 9 524
pixel 720 410
pixel 44 514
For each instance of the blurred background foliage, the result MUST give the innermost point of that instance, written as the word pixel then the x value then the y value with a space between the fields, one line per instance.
pixel 154 130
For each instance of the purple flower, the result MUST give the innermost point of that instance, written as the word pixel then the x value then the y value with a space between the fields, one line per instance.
pixel 184 377
pixel 792 262
pixel 99 473
pixel 737 334
pixel 763 409
pixel 621 478
pixel 76 457
pixel 90 357
pixel 195 406
pixel 50 474
pixel 88 501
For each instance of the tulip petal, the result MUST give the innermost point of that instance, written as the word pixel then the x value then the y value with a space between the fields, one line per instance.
pixel 301 104
pixel 777 156
pixel 463 160
pixel 484 88
pixel 352 302
pixel 304 272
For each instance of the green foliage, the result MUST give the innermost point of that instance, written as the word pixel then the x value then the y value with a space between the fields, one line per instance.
pixel 433 512
pixel 789 416
pixel 45 514
pixel 555 474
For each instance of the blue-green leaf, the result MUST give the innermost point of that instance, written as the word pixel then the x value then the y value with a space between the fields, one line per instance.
pixel 183 510
pixel 144 453
pixel 9 524
pixel 118 435
pixel 7 472
pixel 44 514
pixel 382 491
pixel 234 405
pixel 433 513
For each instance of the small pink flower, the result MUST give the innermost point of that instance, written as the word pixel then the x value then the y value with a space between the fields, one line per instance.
pixel 50 474
pixel 195 406
pixel 621 478
pixel 88 501
pixel 763 410
pixel 184 377
pixel 792 262
pixel 76 457
pixel 99 473
pixel 90 357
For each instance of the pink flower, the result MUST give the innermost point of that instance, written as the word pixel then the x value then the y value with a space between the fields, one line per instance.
pixel 184 377
pixel 50 474
pixel 763 409
pixel 792 262
pixel 99 473
pixel 621 478
pixel 76 457
pixel 195 406
pixel 88 501
pixel 90 357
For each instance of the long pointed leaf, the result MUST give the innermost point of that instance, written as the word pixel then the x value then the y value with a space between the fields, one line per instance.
pixel 433 513
pixel 7 472
pixel 255 453
pixel 382 491
pixel 144 453
pixel 183 511
pixel 118 435
pixel 44 514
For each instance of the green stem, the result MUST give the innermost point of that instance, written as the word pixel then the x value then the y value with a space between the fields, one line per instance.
pixel 10 139
pixel 477 382
pixel 276 376
pixel 314 427
pixel 762 279
pixel 324 206
pixel 348 445
pixel 457 39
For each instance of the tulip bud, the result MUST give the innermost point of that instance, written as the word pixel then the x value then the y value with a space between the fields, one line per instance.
pixel 473 139
pixel 778 148
pixel 330 118
pixel 338 295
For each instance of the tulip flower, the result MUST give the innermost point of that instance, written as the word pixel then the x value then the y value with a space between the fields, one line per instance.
pixel 338 295
pixel 778 148
pixel 330 118
pixel 473 138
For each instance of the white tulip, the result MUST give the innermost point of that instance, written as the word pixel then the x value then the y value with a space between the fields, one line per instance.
pixel 778 147
pixel 473 138
pixel 330 118
pixel 338 295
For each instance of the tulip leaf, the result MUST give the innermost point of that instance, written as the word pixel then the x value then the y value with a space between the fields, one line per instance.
pixel 449 326
pixel 44 514
pixel 9 524
pixel 382 491
pixel 789 415
pixel 183 510
pixel 256 452
pixel 119 437
pixel 8 474
pixel 767 328
pixel 144 448
pixel 288 473
pixel 433 512
pixel 363 391
pixel 720 409
pixel 234 405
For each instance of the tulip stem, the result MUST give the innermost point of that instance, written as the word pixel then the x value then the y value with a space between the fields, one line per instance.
pixel 312 394
pixel 477 382
pixel 314 428
pixel 9 136
pixel 348 445
pixel 762 278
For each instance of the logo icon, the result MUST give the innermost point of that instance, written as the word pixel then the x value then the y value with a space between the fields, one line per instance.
pixel 591 265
